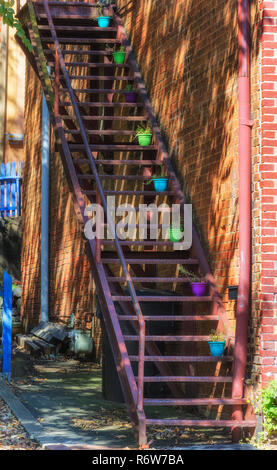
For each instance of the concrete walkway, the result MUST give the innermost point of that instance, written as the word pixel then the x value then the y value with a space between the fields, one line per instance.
pixel 63 408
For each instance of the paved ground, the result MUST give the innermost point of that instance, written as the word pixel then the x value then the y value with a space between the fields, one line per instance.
pixel 65 398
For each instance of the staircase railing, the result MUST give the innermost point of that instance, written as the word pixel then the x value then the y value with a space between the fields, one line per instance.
pixel 137 309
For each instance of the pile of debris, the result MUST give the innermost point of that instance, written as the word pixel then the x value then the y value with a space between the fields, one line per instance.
pixel 45 339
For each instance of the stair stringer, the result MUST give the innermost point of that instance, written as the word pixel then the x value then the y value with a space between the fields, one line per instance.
pixel 117 342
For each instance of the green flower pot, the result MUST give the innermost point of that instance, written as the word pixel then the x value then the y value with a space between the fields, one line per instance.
pixel 175 234
pixel 119 57
pixel 144 139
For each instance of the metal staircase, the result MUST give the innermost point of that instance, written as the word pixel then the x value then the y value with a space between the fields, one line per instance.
pixel 95 130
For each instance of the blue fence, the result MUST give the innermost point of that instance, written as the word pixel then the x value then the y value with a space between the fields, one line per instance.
pixel 10 189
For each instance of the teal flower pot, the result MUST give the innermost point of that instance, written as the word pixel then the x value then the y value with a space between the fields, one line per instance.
pixel 144 139
pixel 217 348
pixel 103 21
pixel 160 184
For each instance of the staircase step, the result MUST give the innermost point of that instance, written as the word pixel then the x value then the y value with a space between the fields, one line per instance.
pixel 131 193
pixel 170 317
pixel 149 258
pixel 106 52
pixel 114 177
pixel 74 28
pixel 113 148
pixel 201 423
pixel 100 132
pixel 183 358
pixel 98 161
pixel 95 90
pixel 101 77
pixel 68 3
pixel 194 401
pixel 193 379
pixel 64 16
pixel 164 338
pixel 50 40
pixel 139 243
pixel 162 298
pixel 154 279
pixel 96 104
pixel 67 117
pixel 92 64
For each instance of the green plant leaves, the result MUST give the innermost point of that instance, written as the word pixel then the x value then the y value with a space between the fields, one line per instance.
pixel 265 403
pixel 8 15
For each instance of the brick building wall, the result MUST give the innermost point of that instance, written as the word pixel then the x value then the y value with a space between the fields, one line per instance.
pixel 266 186
pixel 187 51
pixel 31 205
pixel 188 56
pixel 70 288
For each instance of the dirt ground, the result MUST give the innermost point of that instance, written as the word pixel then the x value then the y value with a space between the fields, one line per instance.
pixel 12 434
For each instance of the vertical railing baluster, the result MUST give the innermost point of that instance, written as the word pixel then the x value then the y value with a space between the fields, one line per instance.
pixel 57 84
pixel 2 190
pixel 98 227
pixel 13 189
pixel 8 190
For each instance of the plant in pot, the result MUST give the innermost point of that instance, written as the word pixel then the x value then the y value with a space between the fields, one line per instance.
pixel 197 283
pixel 175 234
pixel 144 135
pixel 130 95
pixel 102 19
pixel 217 343
pixel 160 181
pixel 119 55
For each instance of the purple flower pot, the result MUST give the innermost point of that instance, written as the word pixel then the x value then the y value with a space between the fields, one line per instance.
pixel 198 288
pixel 131 96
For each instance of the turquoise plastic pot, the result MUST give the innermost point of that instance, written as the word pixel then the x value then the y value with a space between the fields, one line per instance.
pixel 103 21
pixel 160 184
pixel 217 348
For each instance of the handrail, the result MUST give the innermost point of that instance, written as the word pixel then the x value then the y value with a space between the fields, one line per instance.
pixel 106 210
pixel 196 245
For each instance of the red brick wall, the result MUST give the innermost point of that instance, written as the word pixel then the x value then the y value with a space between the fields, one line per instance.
pixel 187 51
pixel 30 255
pixel 70 290
pixel 266 186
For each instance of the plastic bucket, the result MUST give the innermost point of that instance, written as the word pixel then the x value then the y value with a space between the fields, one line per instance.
pixel 103 21
pixel 175 234
pixel 160 184
pixel 131 96
pixel 119 57
pixel 198 288
pixel 144 139
pixel 217 347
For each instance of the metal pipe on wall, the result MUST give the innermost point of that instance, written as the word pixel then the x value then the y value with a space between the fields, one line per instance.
pixel 245 124
pixel 45 158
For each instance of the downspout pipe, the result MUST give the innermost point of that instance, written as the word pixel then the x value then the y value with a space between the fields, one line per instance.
pixel 45 158
pixel 245 125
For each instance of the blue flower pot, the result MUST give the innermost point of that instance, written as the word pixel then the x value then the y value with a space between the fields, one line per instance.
pixel 160 184
pixel 103 21
pixel 217 348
